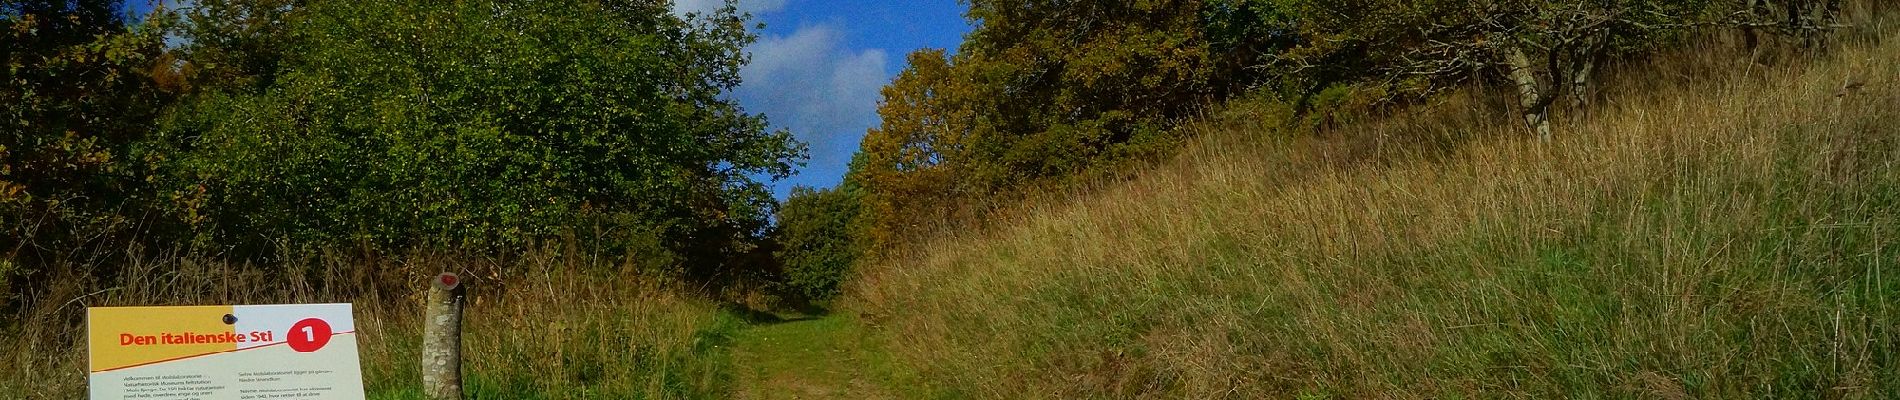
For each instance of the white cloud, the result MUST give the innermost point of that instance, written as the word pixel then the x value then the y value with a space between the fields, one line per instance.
pixel 825 93
pixel 755 7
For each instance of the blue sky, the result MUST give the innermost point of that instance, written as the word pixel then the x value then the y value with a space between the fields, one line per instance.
pixel 818 65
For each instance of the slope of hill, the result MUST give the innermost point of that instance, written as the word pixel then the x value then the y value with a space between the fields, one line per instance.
pixel 1714 229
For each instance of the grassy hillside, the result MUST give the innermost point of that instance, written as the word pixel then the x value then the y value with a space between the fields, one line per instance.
pixel 1716 228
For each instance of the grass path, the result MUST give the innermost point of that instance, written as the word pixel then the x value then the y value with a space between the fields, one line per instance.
pixel 827 357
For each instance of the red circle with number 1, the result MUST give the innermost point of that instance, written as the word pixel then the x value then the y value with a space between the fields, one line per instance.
pixel 309 335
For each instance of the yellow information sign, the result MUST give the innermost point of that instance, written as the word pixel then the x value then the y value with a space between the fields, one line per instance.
pixel 301 351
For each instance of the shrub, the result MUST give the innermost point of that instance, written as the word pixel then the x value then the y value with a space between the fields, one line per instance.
pixel 819 244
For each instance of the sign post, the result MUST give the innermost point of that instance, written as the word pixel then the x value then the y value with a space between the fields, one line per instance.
pixel 442 339
pixel 305 351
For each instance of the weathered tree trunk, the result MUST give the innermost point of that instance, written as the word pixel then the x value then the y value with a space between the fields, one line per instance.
pixel 1828 21
pixel 1580 83
pixel 1755 10
pixel 1583 71
pixel 1806 26
pixel 1534 95
pixel 1796 13
pixel 442 339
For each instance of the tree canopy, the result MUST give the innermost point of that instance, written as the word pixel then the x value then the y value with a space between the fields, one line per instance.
pixel 251 127
pixel 1050 92
pixel 78 93
pixel 475 124
pixel 817 235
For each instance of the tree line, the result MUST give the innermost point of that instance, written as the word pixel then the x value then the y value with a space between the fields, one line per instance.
pixel 261 129
pixel 1045 94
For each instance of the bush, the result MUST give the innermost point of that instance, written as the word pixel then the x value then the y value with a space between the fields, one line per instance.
pixel 819 244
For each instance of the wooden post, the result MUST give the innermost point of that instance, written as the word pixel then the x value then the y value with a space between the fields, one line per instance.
pixel 442 339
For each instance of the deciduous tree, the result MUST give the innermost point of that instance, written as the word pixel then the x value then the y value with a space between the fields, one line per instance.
pixel 480 125
pixel 819 239
pixel 75 96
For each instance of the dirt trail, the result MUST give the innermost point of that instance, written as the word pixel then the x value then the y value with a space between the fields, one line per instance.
pixel 809 358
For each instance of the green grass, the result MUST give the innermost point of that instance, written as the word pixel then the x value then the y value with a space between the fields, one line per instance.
pixel 831 356
pixel 605 357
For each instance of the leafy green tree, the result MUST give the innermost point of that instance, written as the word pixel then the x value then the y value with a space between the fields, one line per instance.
pixel 236 44
pixel 479 125
pixel 1076 86
pixel 818 231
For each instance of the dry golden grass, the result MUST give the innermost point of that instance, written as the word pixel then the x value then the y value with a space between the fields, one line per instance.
pixel 551 324
pixel 1718 228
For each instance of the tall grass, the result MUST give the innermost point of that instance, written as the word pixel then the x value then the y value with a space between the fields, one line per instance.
pixel 1716 228
pixel 550 324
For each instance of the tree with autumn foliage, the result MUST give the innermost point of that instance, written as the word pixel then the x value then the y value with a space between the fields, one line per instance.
pixel 1051 93
pixel 78 94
